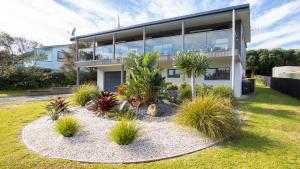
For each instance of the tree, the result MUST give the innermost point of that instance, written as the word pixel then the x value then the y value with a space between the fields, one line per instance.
pixel 191 64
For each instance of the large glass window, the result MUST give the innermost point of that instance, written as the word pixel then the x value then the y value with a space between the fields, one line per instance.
pixel 104 52
pixel 210 41
pixel 217 74
pixel 165 46
pixel 123 49
pixel 85 54
pixel 60 56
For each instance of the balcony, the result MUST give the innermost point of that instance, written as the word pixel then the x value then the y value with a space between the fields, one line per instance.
pixel 215 43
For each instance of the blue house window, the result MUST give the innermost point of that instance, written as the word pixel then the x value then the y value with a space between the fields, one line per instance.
pixel 60 56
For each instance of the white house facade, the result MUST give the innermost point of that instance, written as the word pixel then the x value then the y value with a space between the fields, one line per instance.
pixel 222 35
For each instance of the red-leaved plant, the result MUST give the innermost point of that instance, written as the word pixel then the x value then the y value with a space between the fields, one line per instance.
pixel 106 102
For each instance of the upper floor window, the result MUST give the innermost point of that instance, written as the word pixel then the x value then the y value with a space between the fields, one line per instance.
pixel 60 56
pixel 217 74
pixel 173 73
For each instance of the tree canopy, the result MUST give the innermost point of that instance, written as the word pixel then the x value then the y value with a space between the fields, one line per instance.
pixel 261 61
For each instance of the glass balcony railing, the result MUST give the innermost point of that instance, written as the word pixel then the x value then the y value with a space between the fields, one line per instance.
pixel 165 46
pixel 104 52
pixel 210 41
pixel 85 54
pixel 123 49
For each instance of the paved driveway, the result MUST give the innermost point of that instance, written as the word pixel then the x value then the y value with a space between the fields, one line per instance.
pixel 6 100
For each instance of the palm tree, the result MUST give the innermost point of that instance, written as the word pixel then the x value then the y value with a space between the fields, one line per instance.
pixel 191 64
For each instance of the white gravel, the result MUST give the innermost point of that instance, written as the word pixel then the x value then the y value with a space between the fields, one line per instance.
pixel 158 140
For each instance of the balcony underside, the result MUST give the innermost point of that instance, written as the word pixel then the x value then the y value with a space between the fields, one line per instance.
pixel 118 61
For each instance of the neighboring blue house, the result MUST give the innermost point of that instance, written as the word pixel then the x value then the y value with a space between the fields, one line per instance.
pixel 55 56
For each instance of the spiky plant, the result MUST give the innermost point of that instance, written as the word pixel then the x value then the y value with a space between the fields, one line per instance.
pixel 106 102
pixel 124 132
pixel 211 115
pixel 57 106
pixel 191 64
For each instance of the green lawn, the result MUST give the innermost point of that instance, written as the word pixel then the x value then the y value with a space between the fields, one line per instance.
pixel 12 93
pixel 271 138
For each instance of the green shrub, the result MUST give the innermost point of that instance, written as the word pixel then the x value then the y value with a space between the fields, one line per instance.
pixel 126 113
pixel 203 90
pixel 56 107
pixel 85 93
pixel 185 92
pixel 67 126
pixel 226 92
pixel 124 132
pixel 211 115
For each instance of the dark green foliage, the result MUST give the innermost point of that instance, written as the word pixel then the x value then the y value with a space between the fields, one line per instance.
pixel 261 61
pixel 85 93
pixel 212 115
pixel 56 107
pixel 106 102
pixel 67 126
pixel 17 77
pixel 126 113
pixel 145 82
pixel 124 132
pixel 185 92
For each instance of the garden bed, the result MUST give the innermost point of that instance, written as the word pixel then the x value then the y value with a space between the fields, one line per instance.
pixel 159 139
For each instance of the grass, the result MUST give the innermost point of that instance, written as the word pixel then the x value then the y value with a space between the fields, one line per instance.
pixel 271 138
pixel 12 93
pixel 67 126
pixel 211 115
pixel 124 132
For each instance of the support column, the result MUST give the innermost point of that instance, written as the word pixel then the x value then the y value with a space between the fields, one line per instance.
pixel 182 35
pixel 77 67
pixel 114 46
pixel 122 74
pixel 233 50
pixel 94 48
pixel 144 40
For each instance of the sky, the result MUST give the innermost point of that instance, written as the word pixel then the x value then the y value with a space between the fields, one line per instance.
pixel 274 23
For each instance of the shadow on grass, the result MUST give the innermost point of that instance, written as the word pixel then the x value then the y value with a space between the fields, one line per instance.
pixel 249 141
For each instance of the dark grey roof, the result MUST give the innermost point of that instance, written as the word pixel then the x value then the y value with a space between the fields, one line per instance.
pixel 206 13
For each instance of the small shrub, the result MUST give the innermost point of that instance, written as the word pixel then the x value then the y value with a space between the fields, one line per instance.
pixel 126 113
pixel 185 93
pixel 67 126
pixel 57 106
pixel 225 92
pixel 124 132
pixel 85 93
pixel 106 102
pixel 211 115
pixel 203 90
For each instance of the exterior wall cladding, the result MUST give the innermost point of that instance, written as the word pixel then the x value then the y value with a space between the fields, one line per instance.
pixel 209 32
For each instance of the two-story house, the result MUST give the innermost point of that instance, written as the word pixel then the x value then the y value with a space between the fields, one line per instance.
pixel 222 35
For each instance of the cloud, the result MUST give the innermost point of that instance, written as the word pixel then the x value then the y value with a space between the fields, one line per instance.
pixel 276 14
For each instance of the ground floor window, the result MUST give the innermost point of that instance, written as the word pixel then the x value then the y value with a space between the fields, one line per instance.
pixel 173 73
pixel 217 73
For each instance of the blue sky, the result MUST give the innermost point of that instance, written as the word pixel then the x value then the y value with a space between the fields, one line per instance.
pixel 274 23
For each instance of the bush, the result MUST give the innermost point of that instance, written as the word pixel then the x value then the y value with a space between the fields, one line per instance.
pixel 203 90
pixel 185 92
pixel 85 93
pixel 124 132
pixel 225 92
pixel 212 115
pixel 106 102
pixel 67 126
pixel 126 113
pixel 57 106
